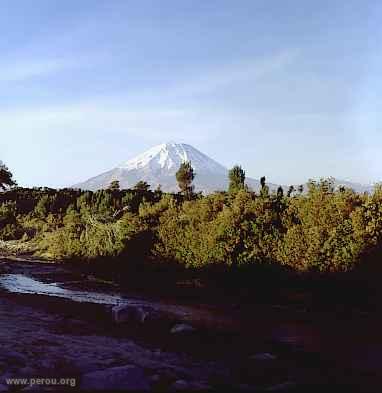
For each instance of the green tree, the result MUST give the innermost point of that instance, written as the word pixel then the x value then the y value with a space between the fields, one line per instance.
pixel 42 207
pixel 114 185
pixel 280 192
pixel 236 177
pixel 290 191
pixel 185 177
pixel 6 177
pixel 142 186
pixel 8 221
pixel 264 191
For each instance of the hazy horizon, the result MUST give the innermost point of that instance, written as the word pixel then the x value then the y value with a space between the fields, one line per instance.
pixel 290 90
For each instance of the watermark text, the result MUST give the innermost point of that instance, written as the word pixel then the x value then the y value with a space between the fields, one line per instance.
pixel 41 382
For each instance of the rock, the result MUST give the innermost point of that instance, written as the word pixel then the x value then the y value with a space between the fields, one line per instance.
pixel 263 356
pixel 182 328
pixel 28 371
pixel 128 313
pixel 169 374
pixel 156 378
pixel 46 364
pixel 181 385
pixel 282 387
pixel 5 269
pixel 244 388
pixel 14 358
pixel 117 378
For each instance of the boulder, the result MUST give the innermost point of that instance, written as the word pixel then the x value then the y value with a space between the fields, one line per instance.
pixel 180 385
pixel 13 358
pixel 127 378
pixel 189 386
pixel 182 328
pixel 282 387
pixel 28 371
pixel 128 313
pixel 263 356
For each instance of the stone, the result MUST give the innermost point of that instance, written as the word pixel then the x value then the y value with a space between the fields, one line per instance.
pixel 282 387
pixel 14 358
pixel 181 385
pixel 156 378
pixel 244 388
pixel 28 371
pixel 182 328
pixel 125 378
pixel 263 356
pixel 5 269
pixel 128 313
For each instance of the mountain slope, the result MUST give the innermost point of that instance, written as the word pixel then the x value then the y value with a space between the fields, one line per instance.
pixel 158 166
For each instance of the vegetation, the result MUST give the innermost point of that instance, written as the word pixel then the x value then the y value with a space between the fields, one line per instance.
pixel 321 230
pixel 6 178
pixel 114 185
pixel 185 177
pixel 236 179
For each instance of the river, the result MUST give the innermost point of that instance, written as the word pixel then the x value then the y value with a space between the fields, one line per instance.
pixel 269 348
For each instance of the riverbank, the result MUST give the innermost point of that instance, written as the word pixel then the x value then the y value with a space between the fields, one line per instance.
pixel 59 338
pixel 242 349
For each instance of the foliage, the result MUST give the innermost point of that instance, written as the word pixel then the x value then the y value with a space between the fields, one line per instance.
pixel 6 177
pixel 185 177
pixel 236 177
pixel 114 185
pixel 323 229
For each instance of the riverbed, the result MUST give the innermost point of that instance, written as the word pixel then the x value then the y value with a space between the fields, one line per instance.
pixel 51 326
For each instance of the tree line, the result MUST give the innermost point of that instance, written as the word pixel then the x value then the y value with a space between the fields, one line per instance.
pixel 323 229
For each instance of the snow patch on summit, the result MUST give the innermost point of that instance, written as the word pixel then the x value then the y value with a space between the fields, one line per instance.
pixel 169 156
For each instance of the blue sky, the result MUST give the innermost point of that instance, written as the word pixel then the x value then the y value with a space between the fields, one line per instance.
pixel 288 89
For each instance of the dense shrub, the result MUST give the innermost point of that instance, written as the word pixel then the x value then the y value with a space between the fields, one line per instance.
pixel 324 229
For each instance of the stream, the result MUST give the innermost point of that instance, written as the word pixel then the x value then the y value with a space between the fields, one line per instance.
pixel 27 279
pixel 264 348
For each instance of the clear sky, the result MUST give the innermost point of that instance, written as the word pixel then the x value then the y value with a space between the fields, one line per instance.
pixel 288 89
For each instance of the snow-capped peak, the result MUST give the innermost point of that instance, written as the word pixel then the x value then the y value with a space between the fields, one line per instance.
pixel 168 157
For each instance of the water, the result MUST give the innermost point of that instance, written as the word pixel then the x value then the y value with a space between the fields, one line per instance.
pixel 357 348
pixel 18 283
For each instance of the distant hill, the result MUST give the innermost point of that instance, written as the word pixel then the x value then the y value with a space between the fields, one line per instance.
pixel 358 187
